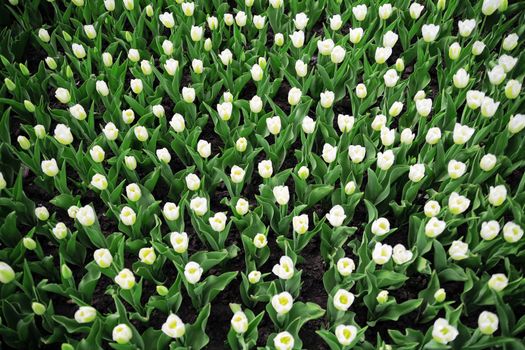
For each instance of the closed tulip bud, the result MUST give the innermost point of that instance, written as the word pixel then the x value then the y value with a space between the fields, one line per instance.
pixel 97 154
pixel 228 19
pixel 257 72
pixel 382 54
pixel 390 39
pixel 42 213
pixel 516 123
pixel 498 282
pixel 281 194
pixel 356 153
pixel 416 172
pixel 265 169
pixel 51 63
pixel 103 258
pixel 192 182
pixel 415 10
pixel 256 104
pixel 199 205
pixel 507 62
pixel 300 223
pixel 78 51
pixel 461 78
pixel 385 160
pixel 325 47
pixel 350 188
pixel 23 142
pixel 162 290
pixel 395 109
pixel 40 131
pixel 167 47
pixel 65 272
pixel 133 192
pixel 345 122
pixel 388 136
pixel 102 88
pixel 29 243
pixel 141 133
pixel 466 27
pixel 489 230
pixel 303 172
pixel 329 153
pixel 407 136
pixel 72 211
pixel 149 11
pixel 276 3
pixel 170 211
pixel 63 134
pixel 497 195
pixel 208 45
pixel 188 8
pixel 188 94
pixel 163 155
pixel 510 42
pixel 488 162
pixel 300 21
pixel 62 95
pixel 458 250
pixel 441 4
pixel 356 34
pixel 196 33
pixel 3 183
pixel 454 51
pixel 241 144
pixel 107 59
pixel 274 125
pixel 336 216
pixel 86 216
pixel 308 125
pixel 488 107
pixel 385 11
pixel 225 110
pixel 429 32
pixel 496 75
pixel 237 174
pixel 99 181
pixel 294 96
pixel 11 86
pixel 338 54
pixel 456 169
pixel 109 5
pixel 49 167
pixel 145 67
pixel 90 31
pixel 477 48
pixel 440 295
pixel 193 272
pixel 204 148
pixel 458 204
pixel 110 131
pixel 85 314
pixel 122 334
pixel 38 308
pixel 336 22
pixel 43 35
pixel 167 19
pixel 242 206
pixel 327 99
pixel 136 86
pixel 297 39
pixel 171 66
pixel 512 232
pixel 390 78
pixel 177 123
pixel 512 89
pixel 279 39
pixel 7 274
pixel 490 6
pixel 197 66
pixel 179 241
pixel 240 18
pixel 381 253
pixel 431 209
pixel 254 277
pixel 129 4
pixel 213 22
pixel 360 12
pixel 127 216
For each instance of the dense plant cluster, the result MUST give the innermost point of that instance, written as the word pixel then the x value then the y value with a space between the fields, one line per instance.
pixel 277 174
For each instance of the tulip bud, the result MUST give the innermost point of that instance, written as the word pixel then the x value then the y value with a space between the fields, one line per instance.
pixel 279 39
pixel 241 144
pixel 440 295
pixel 122 333
pixel 38 308
pixel 42 213
pixel 254 277
pixel 29 106
pixel 516 123
pixel 29 243
pixel 382 297
pixel 66 272
pixel 512 89
pixel 24 142
pixel 303 172
pixel 498 282
pixel 477 48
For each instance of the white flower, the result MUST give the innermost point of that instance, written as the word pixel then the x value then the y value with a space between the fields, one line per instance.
pixel 188 8
pixel 512 232
pixel 282 303
pixel 327 99
pixel 512 89
pixel 86 215
pixel 356 153
pixel 78 51
pixel 127 216
pixel 336 216
pixel 297 38
pixel 308 125
pixel 395 109
pixel 141 133
pixel 416 172
pixel 424 106
pixel 197 66
pixel 62 95
pixel 490 6
pixel 380 226
pixel 360 90
pixel 241 144
pixel 415 10
pixel 478 47
pixel 59 231
pixel 497 75
pixel 343 299
pixel 163 155
pixel 147 255
pixel 174 327
pixel 458 250
pixel 516 123
pixel 401 255
pixel 294 96
pixel 443 332
pixel 254 277
pixel 42 213
pixel 193 272
pixel 192 182
pixel 102 88
pixel 237 174
pixel 257 72
pixel 283 340
pixel 497 195
pixel 72 211
pixel 256 104
pixel 466 27
pixel 171 66
pixel 44 35
pixel 228 19
pixel 226 57
pixel 241 18
pixel 242 206
pixel 430 32
pixel 345 334
pixel 125 279
pixel 434 227
pixel 167 19
pixel 325 46
pixel 303 172
pixel 196 33
pixel 179 241
pixel 385 11
pixel 97 154
pixel 489 230
pixel 300 21
pixel 260 241
pixel 63 134
pixel 381 253
pixel 488 322
pixel 345 266
pixel 462 134
pixel 239 322
pixel 128 116
pixel 170 211
pixel 388 136
pixel 85 314
pixel 279 39
pixel 49 167
pixel 431 208
pixel 259 21
pixel 379 122
pixel 78 112
pixel 199 205
pixel 167 47
pixel 475 98
pixel 350 188
pixel 177 123
pixel 461 78
pixel 510 42
pixel 133 192
pixel 103 258
pixel 129 4
pixel 7 274
pixel 301 68
pixel 407 136
pixel 99 181
pixel 276 3
pixel 507 62
pixel 359 12
pixel 274 125
pixel 265 169
pixel 218 222
pixel 498 282
pixel 456 169
pixel 284 269
pixel 338 54
pixel 336 22
pixel 391 77
pixel 454 51
pixel 300 224
pixel 40 131
pixel 356 34
pixel 382 54
pixel 188 94
pixel 457 204
pixel 225 109
pixel 281 194
pixel 329 153
pixel 204 148
pixel 390 39
pixel 345 122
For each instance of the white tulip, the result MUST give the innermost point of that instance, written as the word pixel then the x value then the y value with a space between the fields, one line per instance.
pixel 390 39
pixel 382 54
pixel 416 172
pixel 462 134
pixel 512 89
pixel 498 282
pixel 49 167
pixel 257 72
pixel 497 75
pixel 171 66
pixel 488 322
pixel 516 123
pixel 174 327
pixel 325 46
pixel 300 224
pixel 297 39
pixel 356 34
pixel 336 216
pixel 429 32
pixel 199 205
pixel 360 12
pixel 259 21
pixel 188 94
pixel 294 96
pixel 193 272
pixel 308 125
pixel 300 21
pixel 103 258
pixel 512 232
pixel 338 54
pixel 343 299
pixel 475 98
pixel 242 206
pixel 385 11
pixel 329 153
pixel 192 182
pixel 284 269
pixel 461 78
pixel 78 112
pixel 478 47
pixel 226 57
pixel 443 332
pixel 458 250
pixel 85 314
pixel 488 162
pixel 415 10
pixel 281 194
pixel 388 136
pixel 356 153
pixel 301 68
pixel 379 122
pixel 256 104
pixel 241 18
pixel 167 19
pixel 401 255
pixel 510 42
pixel 380 226
pixel 489 230
pixel 63 134
pixel 122 333
pixel 225 110
pixel 345 266
pixel 86 215
pixel 466 27
pixel 125 279
pixel 381 253
pixel 179 241
pixel 454 51
pixel 345 334
pixel 456 169
pixel 265 169
pixel 78 51
pixel 391 77
pixel 457 203
pixel 283 340
pixel 170 211
pixel 127 216
pixel 141 133
pixel 274 125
